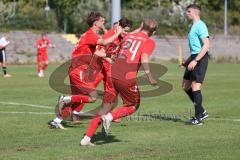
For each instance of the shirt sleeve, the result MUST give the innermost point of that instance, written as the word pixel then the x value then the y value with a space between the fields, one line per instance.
pixel 202 31
pixel 92 39
pixel 148 47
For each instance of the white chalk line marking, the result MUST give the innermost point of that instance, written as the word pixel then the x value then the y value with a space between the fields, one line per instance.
pixel 50 113
pixel 25 104
pixel 35 113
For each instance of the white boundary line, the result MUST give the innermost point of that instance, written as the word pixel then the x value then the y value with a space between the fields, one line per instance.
pixel 224 119
pixel 51 113
pixel 83 113
pixel 25 104
pixel 35 113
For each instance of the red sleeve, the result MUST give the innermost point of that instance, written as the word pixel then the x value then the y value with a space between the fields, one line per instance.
pixel 92 38
pixel 148 47
pixel 108 34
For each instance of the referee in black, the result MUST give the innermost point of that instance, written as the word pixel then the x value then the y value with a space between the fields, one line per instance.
pixel 196 65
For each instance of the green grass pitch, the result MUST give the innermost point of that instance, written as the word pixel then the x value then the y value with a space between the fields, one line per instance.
pixel 24 134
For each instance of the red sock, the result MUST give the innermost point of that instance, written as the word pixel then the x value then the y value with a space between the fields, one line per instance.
pixel 96 121
pixel 45 66
pixel 79 107
pixel 123 112
pixel 66 112
pixel 80 99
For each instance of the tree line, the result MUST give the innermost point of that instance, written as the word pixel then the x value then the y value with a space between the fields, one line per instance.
pixel 69 15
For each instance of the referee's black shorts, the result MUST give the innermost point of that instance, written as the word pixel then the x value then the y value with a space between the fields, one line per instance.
pixel 3 57
pixel 198 73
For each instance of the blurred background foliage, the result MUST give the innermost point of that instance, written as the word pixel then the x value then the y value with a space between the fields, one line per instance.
pixel 69 15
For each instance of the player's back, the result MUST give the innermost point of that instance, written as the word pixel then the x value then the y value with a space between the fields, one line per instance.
pixel 128 61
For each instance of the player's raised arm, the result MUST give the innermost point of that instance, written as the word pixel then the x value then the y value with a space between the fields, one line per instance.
pixel 104 42
pixel 51 45
pixel 100 53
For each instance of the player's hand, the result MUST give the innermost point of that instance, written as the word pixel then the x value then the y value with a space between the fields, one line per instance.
pixel 100 53
pixel 104 29
pixel 118 30
pixel 192 65
pixel 113 57
pixel 109 60
pixel 183 64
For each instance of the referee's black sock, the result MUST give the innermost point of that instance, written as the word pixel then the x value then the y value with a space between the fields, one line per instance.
pixel 198 103
pixel 190 94
pixel 4 70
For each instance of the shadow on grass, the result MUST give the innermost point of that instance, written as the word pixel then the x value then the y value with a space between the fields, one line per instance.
pixel 100 139
pixel 155 117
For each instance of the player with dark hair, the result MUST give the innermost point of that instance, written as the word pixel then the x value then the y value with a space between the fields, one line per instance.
pixel 42 56
pixel 111 50
pixel 135 50
pixel 196 65
pixel 84 59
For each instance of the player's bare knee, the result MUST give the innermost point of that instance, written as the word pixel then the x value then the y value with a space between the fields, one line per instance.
pixel 196 86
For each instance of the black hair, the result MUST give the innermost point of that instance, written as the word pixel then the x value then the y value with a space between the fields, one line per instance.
pixel 124 22
pixel 92 17
pixel 194 6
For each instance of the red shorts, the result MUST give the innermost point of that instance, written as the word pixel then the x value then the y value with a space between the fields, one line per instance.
pixel 129 92
pixel 79 83
pixel 110 93
pixel 42 57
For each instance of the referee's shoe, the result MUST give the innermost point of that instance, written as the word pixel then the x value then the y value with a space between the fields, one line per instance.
pixel 194 121
pixel 204 115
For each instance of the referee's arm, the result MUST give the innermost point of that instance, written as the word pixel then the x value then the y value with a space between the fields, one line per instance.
pixel 205 48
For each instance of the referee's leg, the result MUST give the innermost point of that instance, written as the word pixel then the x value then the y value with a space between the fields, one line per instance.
pixel 186 85
pixel 197 95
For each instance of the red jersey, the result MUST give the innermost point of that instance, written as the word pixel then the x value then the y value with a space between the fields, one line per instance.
pixel 128 61
pixel 84 50
pixel 83 56
pixel 42 44
pixel 111 48
pixel 86 44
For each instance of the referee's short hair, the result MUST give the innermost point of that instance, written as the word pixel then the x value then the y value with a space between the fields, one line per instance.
pixel 194 6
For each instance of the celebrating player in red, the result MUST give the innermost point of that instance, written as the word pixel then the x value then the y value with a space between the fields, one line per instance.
pixel 111 49
pixel 85 67
pixel 42 56
pixel 135 50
